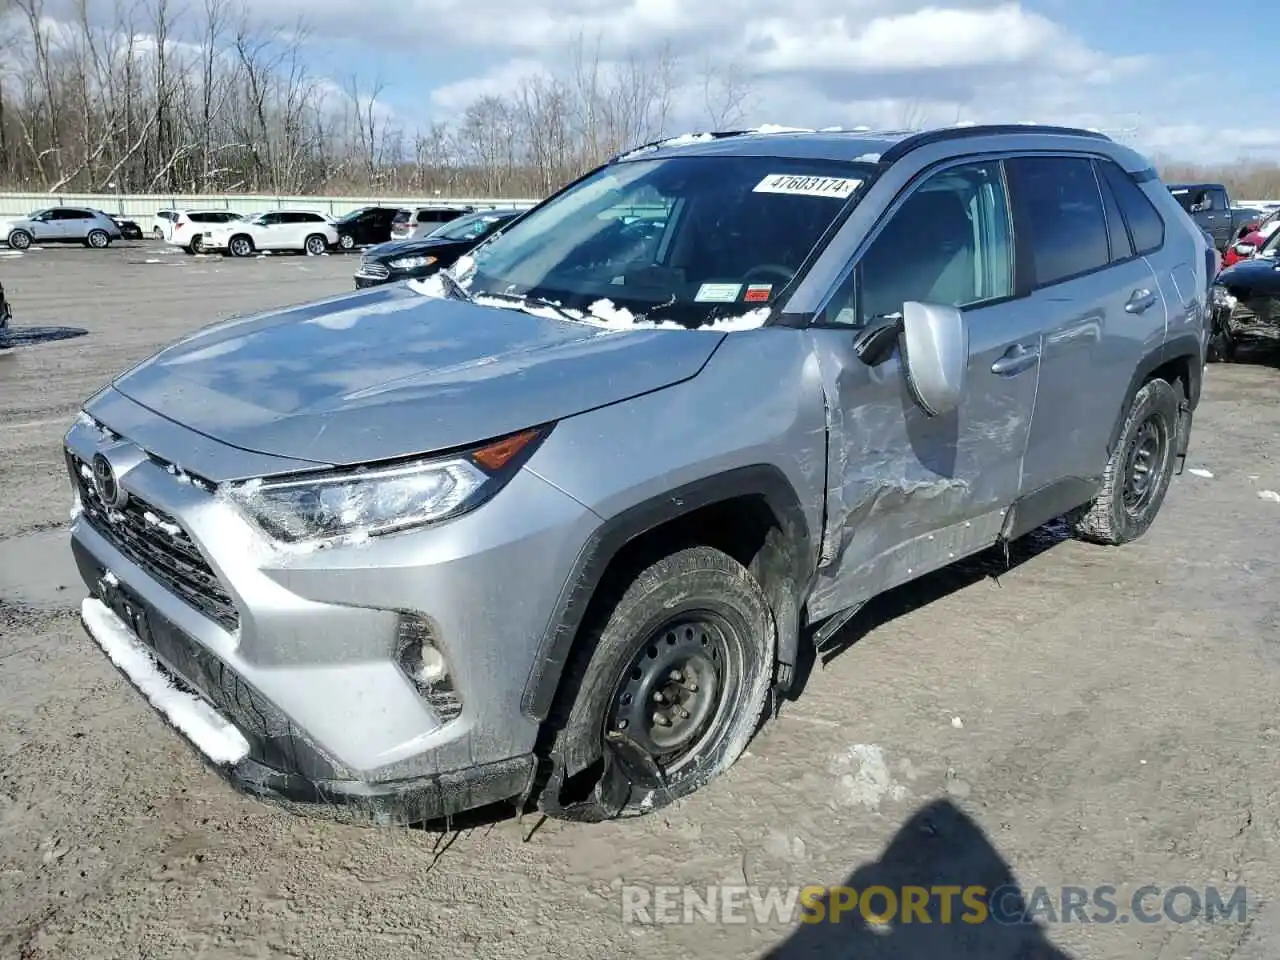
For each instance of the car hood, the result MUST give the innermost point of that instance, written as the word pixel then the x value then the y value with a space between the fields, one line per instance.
pixel 388 372
pixel 404 248
pixel 1260 273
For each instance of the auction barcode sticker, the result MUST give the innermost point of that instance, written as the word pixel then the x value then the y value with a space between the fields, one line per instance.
pixel 838 188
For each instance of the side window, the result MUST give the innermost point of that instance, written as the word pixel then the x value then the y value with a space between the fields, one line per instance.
pixel 1145 225
pixel 1117 232
pixel 272 219
pixel 1218 199
pixel 64 214
pixel 1062 208
pixel 950 242
pixel 312 218
pixel 426 216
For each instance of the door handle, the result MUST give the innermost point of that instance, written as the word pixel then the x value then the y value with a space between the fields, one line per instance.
pixel 1140 301
pixel 1016 359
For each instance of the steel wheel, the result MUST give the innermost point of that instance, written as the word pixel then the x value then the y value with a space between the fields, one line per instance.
pixel 1143 463
pixel 672 690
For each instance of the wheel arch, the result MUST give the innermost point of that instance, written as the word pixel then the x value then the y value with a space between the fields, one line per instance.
pixel 1177 361
pixel 748 510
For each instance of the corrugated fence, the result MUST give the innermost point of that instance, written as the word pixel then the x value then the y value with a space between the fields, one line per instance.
pixel 145 205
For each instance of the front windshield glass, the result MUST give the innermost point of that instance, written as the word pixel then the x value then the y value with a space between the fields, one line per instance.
pixel 682 239
pixel 35 214
pixel 464 228
pixel 353 215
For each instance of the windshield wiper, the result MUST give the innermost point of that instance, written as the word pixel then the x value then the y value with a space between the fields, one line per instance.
pixel 453 287
pixel 528 301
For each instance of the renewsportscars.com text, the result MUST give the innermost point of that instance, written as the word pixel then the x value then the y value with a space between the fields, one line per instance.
pixel 882 905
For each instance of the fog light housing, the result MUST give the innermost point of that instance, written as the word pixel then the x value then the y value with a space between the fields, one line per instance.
pixel 425 666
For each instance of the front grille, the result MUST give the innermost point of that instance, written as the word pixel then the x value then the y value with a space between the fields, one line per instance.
pixel 158 544
pixel 374 270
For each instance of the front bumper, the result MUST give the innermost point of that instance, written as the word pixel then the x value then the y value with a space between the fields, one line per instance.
pixel 298 650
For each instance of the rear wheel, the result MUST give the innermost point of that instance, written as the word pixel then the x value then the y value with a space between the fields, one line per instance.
pixel 240 246
pixel 197 244
pixel 98 239
pixel 1138 474
pixel 157 233
pixel 670 689
pixel 346 241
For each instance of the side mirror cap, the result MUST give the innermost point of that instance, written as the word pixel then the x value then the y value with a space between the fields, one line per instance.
pixel 935 355
pixel 1245 249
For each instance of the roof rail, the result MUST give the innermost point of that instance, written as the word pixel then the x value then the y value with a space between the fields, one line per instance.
pixel 943 134
pixel 655 144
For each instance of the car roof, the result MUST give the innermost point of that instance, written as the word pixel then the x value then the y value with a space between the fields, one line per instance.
pixel 852 145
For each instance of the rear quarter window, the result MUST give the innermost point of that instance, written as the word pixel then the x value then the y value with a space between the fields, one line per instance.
pixel 1143 219
pixel 1062 216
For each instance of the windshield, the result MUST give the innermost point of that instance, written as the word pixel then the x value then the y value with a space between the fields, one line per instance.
pixel 353 215
pixel 1271 247
pixel 682 239
pixel 465 228
pixel 37 213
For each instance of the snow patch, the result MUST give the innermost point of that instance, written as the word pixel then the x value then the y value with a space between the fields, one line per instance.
pixel 687 138
pixel 172 529
pixel 864 777
pixel 217 739
pixel 603 313
pixel 957 723
pixel 776 128
pixel 110 579
pixel 867 158
pixel 431 286
pixel 1270 495
pixel 1200 472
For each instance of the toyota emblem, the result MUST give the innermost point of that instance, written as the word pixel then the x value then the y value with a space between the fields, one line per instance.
pixel 106 484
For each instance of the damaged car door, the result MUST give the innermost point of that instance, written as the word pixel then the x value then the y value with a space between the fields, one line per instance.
pixel 909 492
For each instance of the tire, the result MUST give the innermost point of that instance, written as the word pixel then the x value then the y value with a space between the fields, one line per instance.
pixel 196 245
pixel 1126 506
pixel 315 245
pixel 19 240
pixel 692 637
pixel 157 233
pixel 346 241
pixel 240 246
pixel 98 239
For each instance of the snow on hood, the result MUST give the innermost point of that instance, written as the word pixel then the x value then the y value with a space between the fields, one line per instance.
pixel 602 313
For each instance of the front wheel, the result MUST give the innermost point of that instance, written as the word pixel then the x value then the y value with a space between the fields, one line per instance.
pixel 98 239
pixel 315 245
pixel 19 240
pixel 669 690
pixel 1138 474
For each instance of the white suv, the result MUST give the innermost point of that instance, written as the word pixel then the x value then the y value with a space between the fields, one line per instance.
pixel 188 227
pixel 303 230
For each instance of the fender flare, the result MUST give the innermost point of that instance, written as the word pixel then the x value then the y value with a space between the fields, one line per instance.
pixel 613 534
pixel 1186 346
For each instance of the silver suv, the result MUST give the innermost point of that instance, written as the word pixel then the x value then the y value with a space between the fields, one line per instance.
pixel 556 525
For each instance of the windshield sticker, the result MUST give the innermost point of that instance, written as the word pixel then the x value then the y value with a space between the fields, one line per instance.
pixel 757 292
pixel 718 292
pixel 838 188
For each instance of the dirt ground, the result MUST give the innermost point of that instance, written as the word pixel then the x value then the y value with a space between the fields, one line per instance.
pixel 1089 717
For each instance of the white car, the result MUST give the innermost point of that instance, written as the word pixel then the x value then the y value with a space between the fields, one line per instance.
pixel 303 230
pixel 189 226
pixel 162 224
pixel 60 225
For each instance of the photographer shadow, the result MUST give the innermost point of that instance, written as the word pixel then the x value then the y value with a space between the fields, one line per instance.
pixel 939 846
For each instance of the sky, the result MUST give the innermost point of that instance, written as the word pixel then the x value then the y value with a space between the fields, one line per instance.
pixel 1167 76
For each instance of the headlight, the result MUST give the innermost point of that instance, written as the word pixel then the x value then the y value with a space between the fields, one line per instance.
pixel 411 263
pixel 371 501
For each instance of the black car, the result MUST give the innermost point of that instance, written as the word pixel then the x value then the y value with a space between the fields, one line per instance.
pixel 129 229
pixel 365 226
pixel 1246 301
pixel 411 259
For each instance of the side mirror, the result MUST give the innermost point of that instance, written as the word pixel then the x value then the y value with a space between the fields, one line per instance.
pixel 1245 249
pixel 935 355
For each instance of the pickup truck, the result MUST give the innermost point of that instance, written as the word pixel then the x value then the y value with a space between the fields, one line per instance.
pixel 1210 207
